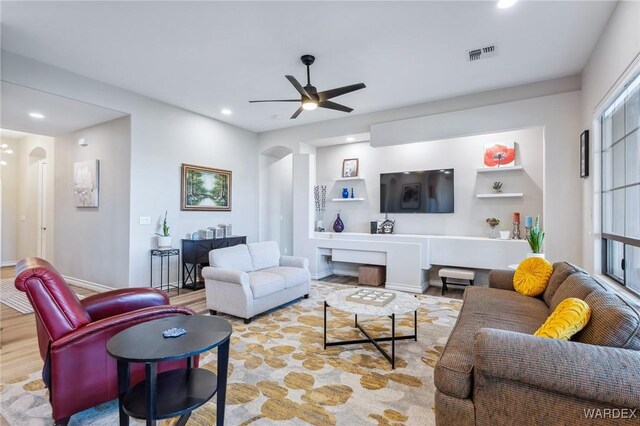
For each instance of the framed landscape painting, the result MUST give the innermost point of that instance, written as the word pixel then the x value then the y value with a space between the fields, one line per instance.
pixel 205 189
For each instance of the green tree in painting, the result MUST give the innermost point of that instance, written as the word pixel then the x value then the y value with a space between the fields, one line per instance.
pixel 196 190
pixel 219 191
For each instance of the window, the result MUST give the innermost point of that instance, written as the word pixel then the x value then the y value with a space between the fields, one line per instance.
pixel 621 188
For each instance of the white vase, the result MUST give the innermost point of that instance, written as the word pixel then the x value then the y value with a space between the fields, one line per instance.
pixel 504 235
pixel 164 242
pixel 532 254
pixel 320 226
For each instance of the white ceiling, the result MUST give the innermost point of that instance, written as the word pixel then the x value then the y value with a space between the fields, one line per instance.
pixel 62 115
pixel 205 56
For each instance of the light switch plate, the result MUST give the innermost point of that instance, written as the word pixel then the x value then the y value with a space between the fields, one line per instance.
pixel 145 220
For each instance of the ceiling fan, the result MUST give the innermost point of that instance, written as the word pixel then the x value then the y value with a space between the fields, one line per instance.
pixel 310 98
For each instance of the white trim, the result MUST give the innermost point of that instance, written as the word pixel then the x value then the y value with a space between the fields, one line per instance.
pixel 8 263
pixel 618 86
pixel 407 288
pixel 100 288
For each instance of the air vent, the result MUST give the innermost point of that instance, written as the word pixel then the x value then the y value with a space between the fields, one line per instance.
pixel 482 53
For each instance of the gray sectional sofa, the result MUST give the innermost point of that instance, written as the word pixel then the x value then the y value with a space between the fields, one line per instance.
pixel 493 371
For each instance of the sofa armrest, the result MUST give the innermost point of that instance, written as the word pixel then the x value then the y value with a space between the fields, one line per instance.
pixel 501 279
pixel 116 302
pixel 225 275
pixel 294 261
pixel 607 375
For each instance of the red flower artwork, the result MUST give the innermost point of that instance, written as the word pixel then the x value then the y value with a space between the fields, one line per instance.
pixel 499 155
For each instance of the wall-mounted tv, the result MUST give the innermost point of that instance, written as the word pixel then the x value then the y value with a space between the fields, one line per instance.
pixel 427 191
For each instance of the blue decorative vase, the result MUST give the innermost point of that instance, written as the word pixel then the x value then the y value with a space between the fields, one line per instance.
pixel 338 225
pixel 345 192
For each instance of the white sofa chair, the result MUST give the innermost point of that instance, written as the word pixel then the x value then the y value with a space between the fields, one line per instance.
pixel 246 280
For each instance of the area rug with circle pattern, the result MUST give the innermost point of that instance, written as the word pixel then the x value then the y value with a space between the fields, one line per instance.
pixel 279 372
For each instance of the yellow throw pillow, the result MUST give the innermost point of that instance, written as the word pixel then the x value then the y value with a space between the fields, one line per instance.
pixel 569 317
pixel 532 276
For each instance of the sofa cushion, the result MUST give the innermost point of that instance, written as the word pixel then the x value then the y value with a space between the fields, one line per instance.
pixel 561 270
pixel 483 308
pixel 576 285
pixel 264 255
pixel 613 322
pixel 265 283
pixel 236 258
pixel 292 276
pixel 567 319
pixel 532 276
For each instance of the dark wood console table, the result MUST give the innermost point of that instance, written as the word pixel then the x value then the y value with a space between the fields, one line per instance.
pixel 195 254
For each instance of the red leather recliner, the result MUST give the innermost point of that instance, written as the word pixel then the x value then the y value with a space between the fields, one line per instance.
pixel 73 334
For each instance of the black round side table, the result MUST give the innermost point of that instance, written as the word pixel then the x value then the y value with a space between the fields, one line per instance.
pixel 175 392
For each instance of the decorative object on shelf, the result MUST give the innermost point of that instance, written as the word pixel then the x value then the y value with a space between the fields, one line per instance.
pixel 352 196
pixel 504 235
pixel 227 229
pixel 497 187
pixel 374 227
pixel 350 167
pixel 205 189
pixel 164 238
pixel 320 199
pixel 535 239
pixel 584 154
pixel 528 223
pixel 499 154
pixel 345 192
pixel 371 297
pixel 195 235
pixel 207 234
pixel 386 225
pixel 493 223
pixel 218 232
pixel 174 332
pixel 515 234
pixel 338 224
pixel 86 183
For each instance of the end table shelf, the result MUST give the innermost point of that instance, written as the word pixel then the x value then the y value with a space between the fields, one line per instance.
pixel 178 392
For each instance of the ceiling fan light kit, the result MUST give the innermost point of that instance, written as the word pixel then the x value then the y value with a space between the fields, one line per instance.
pixel 310 98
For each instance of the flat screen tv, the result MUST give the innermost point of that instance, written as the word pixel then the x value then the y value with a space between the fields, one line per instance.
pixel 427 191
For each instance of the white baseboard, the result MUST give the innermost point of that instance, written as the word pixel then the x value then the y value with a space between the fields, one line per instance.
pixel 8 263
pixel 100 288
pixel 407 288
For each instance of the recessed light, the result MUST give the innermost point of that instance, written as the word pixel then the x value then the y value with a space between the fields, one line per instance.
pixel 351 139
pixel 4 145
pixel 35 115
pixel 503 4
pixel 3 163
pixel 226 111
pixel 8 151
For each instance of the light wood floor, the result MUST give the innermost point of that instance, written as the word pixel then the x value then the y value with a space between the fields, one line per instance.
pixel 19 353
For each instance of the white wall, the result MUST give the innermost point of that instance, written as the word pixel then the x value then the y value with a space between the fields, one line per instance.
pixel 616 50
pixel 9 177
pixel 92 244
pixel 162 137
pixel 279 205
pixel 553 105
pixel 464 155
pixel 31 149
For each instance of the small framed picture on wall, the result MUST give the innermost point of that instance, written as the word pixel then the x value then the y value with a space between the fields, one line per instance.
pixel 350 167
pixel 584 154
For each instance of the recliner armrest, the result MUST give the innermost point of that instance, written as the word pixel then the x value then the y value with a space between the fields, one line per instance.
pixel 116 302
pixel 294 261
pixel 225 275
pixel 597 373
pixel 501 279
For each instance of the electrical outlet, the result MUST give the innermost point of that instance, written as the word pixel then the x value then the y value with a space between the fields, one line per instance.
pixel 145 220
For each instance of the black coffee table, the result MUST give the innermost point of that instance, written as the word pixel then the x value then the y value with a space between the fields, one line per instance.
pixel 175 392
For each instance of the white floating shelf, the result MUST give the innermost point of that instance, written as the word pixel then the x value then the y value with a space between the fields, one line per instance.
pixel 340 179
pixel 501 195
pixel 347 199
pixel 498 169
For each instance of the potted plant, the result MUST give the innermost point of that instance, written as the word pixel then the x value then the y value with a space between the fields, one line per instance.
pixel 164 238
pixel 535 239
pixel 493 222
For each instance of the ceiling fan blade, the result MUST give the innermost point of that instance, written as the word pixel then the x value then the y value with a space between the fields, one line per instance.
pixel 275 100
pixel 298 86
pixel 332 93
pixel 297 113
pixel 333 105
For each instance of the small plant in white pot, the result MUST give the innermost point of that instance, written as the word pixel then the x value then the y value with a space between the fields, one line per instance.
pixel 164 238
pixel 535 239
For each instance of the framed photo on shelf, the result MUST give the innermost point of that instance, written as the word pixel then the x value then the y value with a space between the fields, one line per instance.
pixel 584 154
pixel 205 189
pixel 350 167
